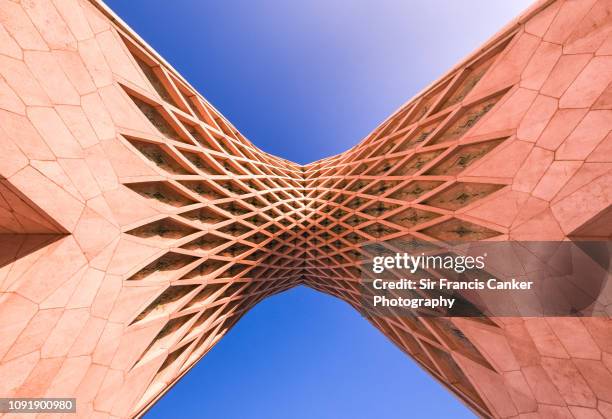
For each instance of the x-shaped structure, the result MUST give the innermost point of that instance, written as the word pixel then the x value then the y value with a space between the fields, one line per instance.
pixel 138 224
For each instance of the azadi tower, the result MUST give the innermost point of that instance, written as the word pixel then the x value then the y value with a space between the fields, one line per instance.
pixel 138 225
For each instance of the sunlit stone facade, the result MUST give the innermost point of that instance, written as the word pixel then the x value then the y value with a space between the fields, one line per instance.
pixel 138 224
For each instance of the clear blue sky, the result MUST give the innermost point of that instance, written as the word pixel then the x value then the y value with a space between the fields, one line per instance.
pixel 304 79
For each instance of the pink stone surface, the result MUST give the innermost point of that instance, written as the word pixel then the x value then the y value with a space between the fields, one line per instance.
pixel 115 185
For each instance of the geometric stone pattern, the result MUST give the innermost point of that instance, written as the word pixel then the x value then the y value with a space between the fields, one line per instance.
pixel 138 225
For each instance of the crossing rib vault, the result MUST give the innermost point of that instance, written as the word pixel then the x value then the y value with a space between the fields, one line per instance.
pixel 138 225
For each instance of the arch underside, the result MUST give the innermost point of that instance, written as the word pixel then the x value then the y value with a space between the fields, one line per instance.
pixel 162 225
